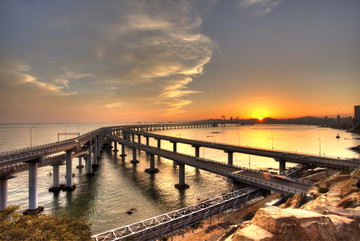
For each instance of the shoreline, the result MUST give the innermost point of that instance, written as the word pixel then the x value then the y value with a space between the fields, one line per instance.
pixel 220 229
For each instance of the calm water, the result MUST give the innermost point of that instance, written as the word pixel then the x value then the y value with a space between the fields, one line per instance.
pixel 118 186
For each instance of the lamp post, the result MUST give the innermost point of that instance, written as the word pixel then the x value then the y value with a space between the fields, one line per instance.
pixel 31 136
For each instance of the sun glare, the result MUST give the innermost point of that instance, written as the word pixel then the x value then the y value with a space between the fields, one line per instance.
pixel 260 118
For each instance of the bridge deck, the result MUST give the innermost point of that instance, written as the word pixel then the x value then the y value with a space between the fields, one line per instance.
pixel 251 177
pixel 302 158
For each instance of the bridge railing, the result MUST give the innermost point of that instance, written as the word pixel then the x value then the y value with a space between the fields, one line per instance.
pixel 254 149
pixel 179 219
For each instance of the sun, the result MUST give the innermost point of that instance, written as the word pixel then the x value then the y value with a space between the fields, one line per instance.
pixel 260 118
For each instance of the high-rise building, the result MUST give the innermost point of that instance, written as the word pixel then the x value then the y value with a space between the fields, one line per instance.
pixel 356 116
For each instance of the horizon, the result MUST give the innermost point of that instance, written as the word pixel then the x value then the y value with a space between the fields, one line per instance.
pixel 160 61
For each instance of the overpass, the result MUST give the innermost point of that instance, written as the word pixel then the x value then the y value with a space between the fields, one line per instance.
pixel 281 156
pixel 236 173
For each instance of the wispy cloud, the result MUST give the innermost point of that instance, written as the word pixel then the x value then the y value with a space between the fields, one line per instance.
pixel 260 7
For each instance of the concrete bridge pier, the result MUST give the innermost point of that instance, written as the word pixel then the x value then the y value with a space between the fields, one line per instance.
pixel 139 139
pixel 69 186
pixel 147 141
pixel 134 160
pixel 115 147
pixel 282 165
pixel 197 151
pixel 123 151
pixel 89 171
pixel 182 184
pixel 133 137
pixel 152 168
pixel 98 146
pixel 174 146
pixel 230 157
pixel 80 163
pixel 4 191
pixel 56 179
pixel 158 143
pixel 33 192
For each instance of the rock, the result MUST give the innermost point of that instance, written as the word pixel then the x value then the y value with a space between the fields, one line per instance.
pixel 252 233
pixel 343 213
pixel 294 202
pixel 321 202
pixel 350 201
pixel 280 223
pixel 348 229
pixel 349 186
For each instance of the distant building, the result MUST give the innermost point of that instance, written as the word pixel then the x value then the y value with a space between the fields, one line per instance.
pixel 356 116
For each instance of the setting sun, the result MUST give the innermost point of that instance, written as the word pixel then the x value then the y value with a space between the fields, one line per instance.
pixel 260 118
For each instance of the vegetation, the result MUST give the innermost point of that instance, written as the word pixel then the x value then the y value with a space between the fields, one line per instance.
pixel 16 226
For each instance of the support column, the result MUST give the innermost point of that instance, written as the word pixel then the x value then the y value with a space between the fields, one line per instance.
pixel 88 161
pixel 4 191
pixel 182 184
pixel 152 168
pixel 134 160
pixel 230 157
pixel 80 163
pixel 98 146
pixel 147 141
pixel 115 147
pixel 95 163
pixel 158 143
pixel 133 137
pixel 33 192
pixel 123 150
pixel 282 166
pixel 56 179
pixel 69 186
pixel 197 151
pixel 139 139
pixel 174 146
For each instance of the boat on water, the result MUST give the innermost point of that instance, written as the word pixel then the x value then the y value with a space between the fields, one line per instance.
pixel 337 136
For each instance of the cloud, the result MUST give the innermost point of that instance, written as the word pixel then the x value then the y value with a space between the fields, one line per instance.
pixel 260 7
pixel 124 51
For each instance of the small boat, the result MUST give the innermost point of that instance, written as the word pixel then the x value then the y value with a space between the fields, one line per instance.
pixel 337 136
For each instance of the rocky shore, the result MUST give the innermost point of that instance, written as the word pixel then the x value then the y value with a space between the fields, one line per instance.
pixel 330 210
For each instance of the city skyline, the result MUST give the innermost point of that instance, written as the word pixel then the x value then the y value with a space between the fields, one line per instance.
pixel 86 61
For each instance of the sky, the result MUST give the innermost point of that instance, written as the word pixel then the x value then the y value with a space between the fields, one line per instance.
pixel 166 60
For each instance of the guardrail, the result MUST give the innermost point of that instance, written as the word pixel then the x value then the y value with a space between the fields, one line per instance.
pixel 165 224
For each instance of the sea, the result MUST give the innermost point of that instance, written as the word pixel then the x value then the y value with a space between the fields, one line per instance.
pixel 118 186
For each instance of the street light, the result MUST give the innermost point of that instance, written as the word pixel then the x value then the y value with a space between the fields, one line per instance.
pixel 31 136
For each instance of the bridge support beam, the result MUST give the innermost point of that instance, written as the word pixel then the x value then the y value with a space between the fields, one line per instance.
pixel 174 146
pixel 134 160
pixel 152 168
pixel 4 191
pixel 158 143
pixel 197 151
pixel 33 192
pixel 115 147
pixel 95 163
pixel 182 184
pixel 282 166
pixel 80 163
pixel 230 157
pixel 89 161
pixel 69 186
pixel 56 179
pixel 123 150
pixel 139 138
pixel 147 140
pixel 133 137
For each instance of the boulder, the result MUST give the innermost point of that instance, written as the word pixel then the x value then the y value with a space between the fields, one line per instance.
pixel 347 229
pixel 294 202
pixel 252 233
pixel 349 186
pixel 280 223
pixel 350 201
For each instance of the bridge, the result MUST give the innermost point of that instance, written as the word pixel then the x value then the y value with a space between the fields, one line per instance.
pixel 281 156
pixel 236 173
pixel 89 146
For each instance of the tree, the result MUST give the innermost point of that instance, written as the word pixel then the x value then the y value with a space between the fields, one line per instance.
pixel 16 226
